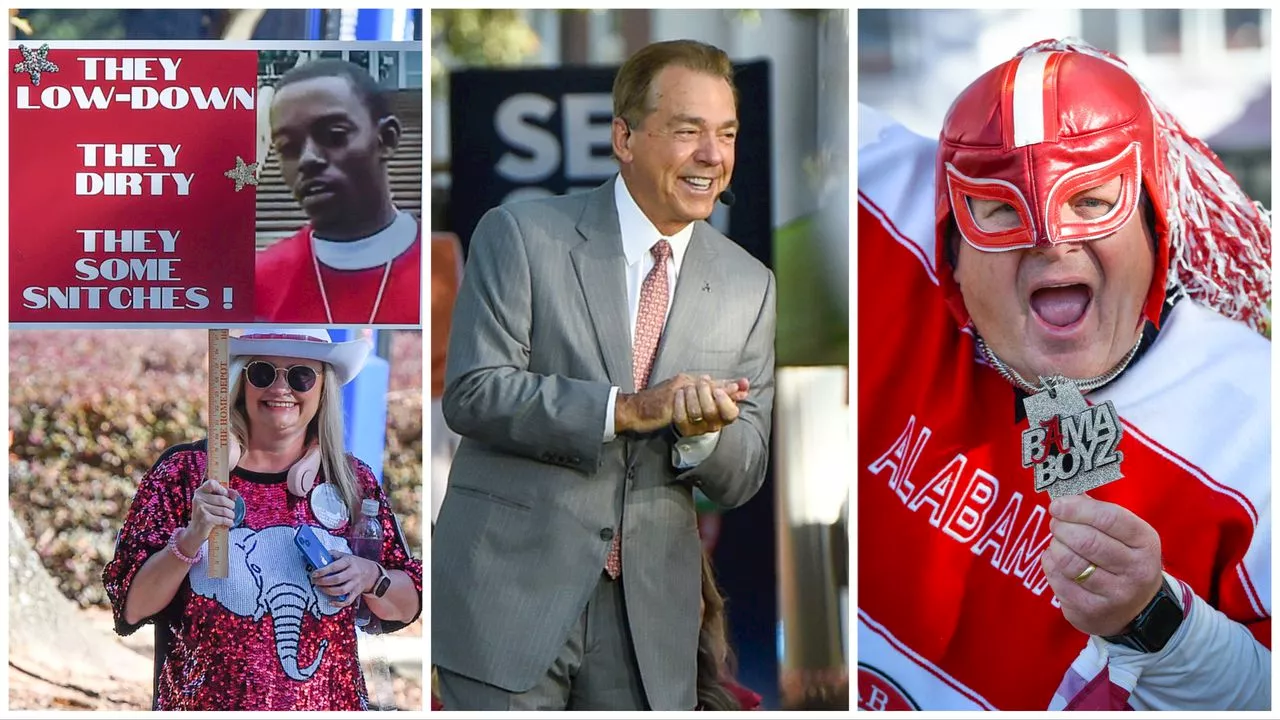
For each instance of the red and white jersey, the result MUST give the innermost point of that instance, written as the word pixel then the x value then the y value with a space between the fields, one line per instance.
pixel 954 611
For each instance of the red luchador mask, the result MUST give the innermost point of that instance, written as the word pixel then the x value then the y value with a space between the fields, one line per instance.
pixel 1033 133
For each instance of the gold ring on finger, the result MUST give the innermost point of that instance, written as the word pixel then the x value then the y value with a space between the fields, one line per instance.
pixel 1084 574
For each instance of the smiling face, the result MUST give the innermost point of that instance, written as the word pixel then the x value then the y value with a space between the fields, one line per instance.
pixel 678 159
pixel 1073 309
pixel 280 410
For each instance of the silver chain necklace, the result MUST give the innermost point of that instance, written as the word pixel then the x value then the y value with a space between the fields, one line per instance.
pixel 1085 385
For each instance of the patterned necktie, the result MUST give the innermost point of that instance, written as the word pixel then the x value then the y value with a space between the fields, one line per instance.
pixel 650 319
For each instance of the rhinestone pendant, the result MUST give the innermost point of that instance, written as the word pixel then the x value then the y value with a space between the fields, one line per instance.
pixel 1071 446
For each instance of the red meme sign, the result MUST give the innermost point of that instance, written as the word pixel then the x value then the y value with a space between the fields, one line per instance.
pixel 121 204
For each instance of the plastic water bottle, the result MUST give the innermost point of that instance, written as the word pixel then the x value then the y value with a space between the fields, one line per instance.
pixel 366 542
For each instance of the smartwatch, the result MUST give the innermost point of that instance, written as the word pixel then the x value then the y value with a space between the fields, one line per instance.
pixel 382 584
pixel 1155 625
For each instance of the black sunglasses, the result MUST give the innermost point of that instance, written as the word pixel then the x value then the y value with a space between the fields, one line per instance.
pixel 262 375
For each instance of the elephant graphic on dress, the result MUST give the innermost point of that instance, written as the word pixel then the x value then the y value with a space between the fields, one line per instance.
pixel 268 575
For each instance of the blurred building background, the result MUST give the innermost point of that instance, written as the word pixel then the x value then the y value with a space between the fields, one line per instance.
pixel 782 558
pixel 1210 67
pixel 219 24
pixel 793 40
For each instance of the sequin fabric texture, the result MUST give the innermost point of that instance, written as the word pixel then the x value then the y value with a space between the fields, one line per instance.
pixel 264 638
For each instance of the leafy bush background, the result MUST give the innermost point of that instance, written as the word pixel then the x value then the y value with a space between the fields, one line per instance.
pixel 91 410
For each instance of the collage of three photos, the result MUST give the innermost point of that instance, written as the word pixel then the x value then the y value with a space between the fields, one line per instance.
pixel 619 474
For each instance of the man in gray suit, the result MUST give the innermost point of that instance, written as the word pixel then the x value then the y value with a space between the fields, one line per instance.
pixel 610 351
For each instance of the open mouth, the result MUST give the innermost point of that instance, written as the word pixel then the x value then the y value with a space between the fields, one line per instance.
pixel 279 404
pixel 699 184
pixel 1061 306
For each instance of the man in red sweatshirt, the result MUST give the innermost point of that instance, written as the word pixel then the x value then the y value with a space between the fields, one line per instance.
pixel 1064 224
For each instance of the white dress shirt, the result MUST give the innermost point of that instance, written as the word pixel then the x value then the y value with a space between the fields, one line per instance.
pixel 638 237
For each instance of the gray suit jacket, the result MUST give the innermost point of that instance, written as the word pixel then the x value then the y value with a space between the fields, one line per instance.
pixel 540 334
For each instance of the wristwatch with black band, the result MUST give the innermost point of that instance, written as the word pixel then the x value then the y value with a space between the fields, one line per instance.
pixel 382 584
pixel 1155 625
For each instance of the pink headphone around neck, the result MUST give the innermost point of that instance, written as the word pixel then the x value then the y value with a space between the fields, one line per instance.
pixel 301 477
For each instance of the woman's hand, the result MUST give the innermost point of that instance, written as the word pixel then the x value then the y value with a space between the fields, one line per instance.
pixel 349 575
pixel 211 506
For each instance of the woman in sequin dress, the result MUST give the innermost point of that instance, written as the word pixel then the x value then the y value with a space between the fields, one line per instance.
pixel 271 636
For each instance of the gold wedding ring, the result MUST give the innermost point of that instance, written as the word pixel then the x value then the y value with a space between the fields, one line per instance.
pixel 1084 574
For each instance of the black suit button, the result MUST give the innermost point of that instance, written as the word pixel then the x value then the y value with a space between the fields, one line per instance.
pixel 631 473
pixel 606 534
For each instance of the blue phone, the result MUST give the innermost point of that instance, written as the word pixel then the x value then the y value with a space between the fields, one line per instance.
pixel 313 551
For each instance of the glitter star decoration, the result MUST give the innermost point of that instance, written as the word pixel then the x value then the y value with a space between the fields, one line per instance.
pixel 243 174
pixel 35 62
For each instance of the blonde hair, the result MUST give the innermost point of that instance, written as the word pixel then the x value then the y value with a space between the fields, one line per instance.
pixel 325 428
pixel 632 99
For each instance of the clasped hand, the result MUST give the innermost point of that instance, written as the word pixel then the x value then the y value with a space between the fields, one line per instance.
pixel 695 406
pixel 1126 551
pixel 707 405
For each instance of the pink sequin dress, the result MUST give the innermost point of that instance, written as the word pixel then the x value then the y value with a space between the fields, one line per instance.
pixel 264 638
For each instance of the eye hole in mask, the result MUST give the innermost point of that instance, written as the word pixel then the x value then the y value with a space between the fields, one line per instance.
pixel 994 216
pixel 1102 197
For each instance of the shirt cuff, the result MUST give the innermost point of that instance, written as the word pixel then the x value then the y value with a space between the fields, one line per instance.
pixel 689 452
pixel 610 431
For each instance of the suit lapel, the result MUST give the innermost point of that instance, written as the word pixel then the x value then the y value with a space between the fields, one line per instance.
pixel 601 268
pixel 697 289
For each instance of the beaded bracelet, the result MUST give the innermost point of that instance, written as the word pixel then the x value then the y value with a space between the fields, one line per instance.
pixel 177 552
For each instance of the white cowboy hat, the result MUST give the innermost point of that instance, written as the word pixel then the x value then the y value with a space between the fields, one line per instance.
pixel 346 358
